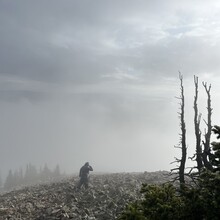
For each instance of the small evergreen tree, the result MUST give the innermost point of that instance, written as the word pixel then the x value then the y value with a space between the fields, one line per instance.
pixel 1 183
pixel 215 158
pixel 46 173
pixel 31 174
pixel 9 182
pixel 56 173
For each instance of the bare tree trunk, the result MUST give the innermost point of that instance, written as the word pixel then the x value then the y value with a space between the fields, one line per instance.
pixel 180 170
pixel 206 143
pixel 197 119
pixel 183 133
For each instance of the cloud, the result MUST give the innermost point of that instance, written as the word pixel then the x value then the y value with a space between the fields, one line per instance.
pixel 80 41
pixel 101 72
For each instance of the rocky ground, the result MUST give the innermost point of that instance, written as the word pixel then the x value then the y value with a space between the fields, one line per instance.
pixel 106 197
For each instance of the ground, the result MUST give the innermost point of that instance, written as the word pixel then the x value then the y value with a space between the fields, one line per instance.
pixel 106 197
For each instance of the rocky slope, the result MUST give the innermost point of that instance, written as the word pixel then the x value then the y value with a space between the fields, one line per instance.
pixel 106 197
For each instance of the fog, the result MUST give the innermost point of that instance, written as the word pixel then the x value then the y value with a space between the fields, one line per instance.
pixel 96 81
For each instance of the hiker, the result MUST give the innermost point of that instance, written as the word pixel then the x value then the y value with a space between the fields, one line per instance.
pixel 84 175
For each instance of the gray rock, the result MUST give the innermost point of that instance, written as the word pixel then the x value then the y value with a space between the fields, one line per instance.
pixel 104 200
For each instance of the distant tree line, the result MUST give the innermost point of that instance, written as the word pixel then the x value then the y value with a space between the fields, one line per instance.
pixel 31 175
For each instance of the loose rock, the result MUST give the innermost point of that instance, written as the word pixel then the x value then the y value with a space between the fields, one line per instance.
pixel 106 197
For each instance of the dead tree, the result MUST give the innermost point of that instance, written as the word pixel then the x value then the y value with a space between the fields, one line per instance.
pixel 183 133
pixel 197 119
pixel 182 144
pixel 207 151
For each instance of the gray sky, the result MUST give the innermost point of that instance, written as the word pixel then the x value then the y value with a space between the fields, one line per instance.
pixel 96 80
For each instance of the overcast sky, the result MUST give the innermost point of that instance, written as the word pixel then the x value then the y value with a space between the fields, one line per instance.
pixel 96 80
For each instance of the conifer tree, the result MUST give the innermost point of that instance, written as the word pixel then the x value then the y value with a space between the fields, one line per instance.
pixel 9 182
pixel 215 158
pixel 45 173
pixel 1 181
pixel 56 172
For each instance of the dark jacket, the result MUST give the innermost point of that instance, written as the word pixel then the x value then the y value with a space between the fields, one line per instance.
pixel 84 171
